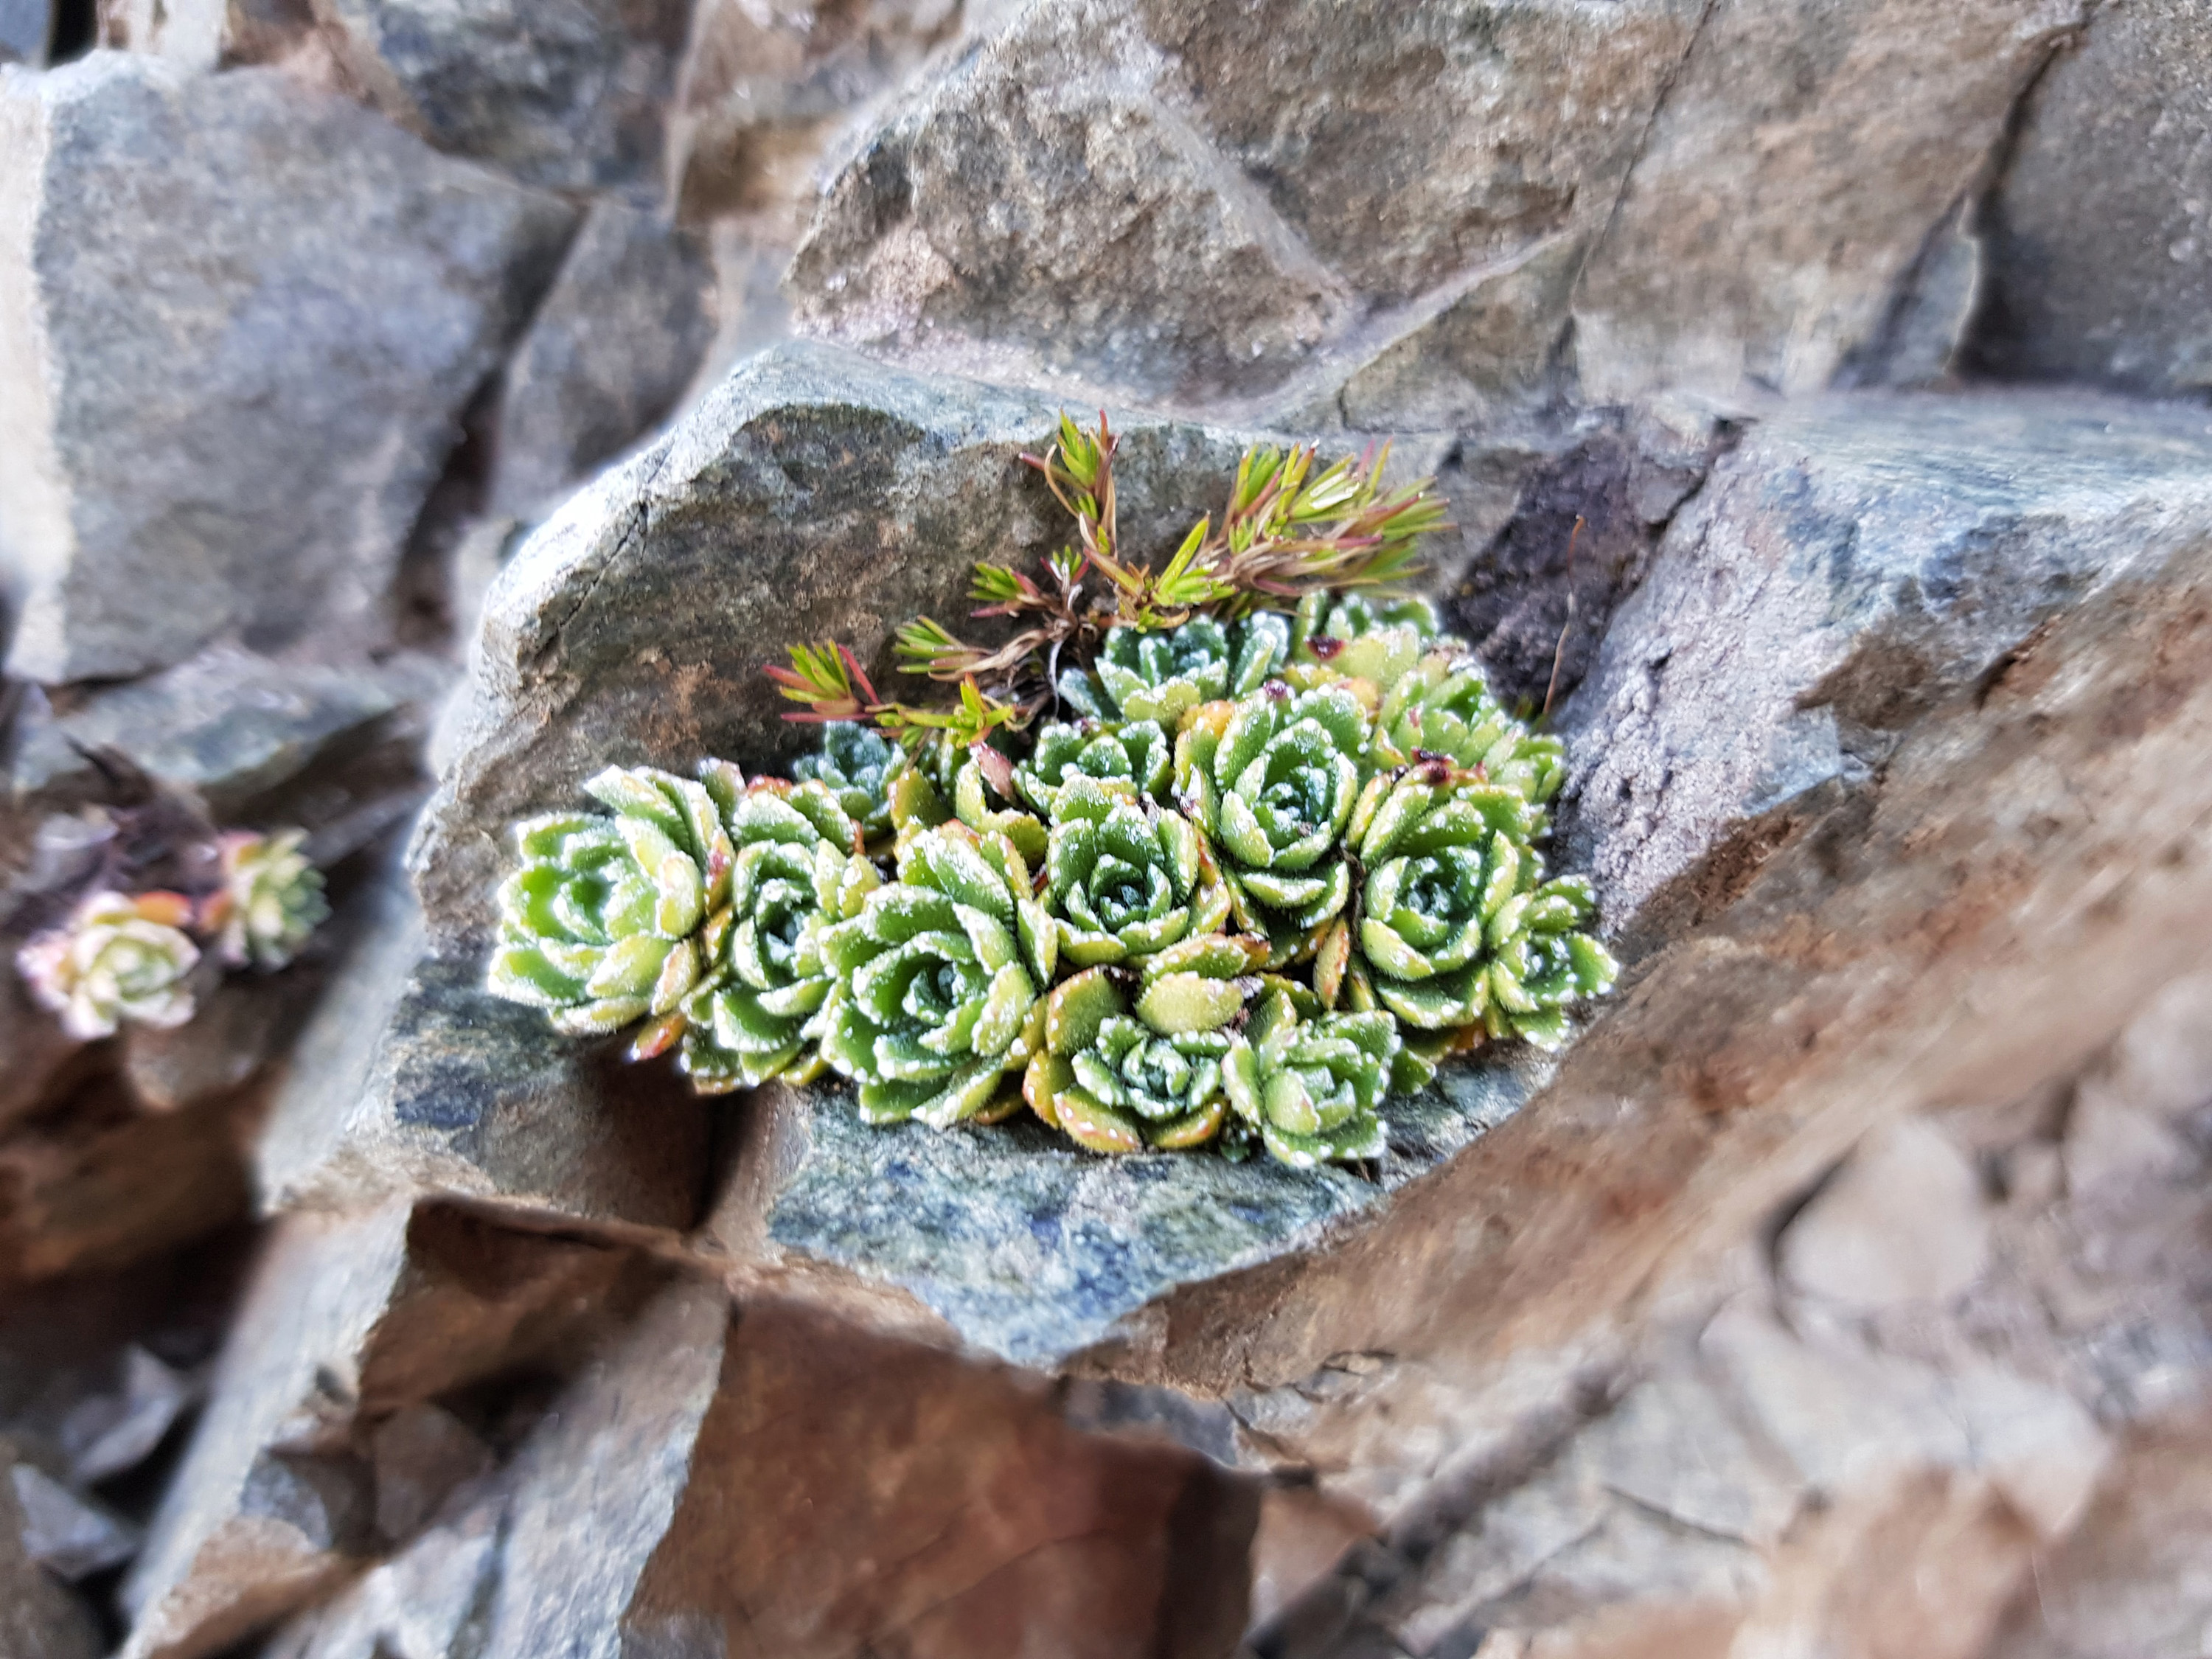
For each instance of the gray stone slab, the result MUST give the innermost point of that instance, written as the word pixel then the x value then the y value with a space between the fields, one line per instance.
pixel 226 397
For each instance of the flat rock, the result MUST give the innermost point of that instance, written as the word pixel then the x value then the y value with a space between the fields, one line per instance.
pixel 71 1535
pixel 1906 1220
pixel 612 345
pixel 347 1317
pixel 566 96
pixel 2099 245
pixel 1802 160
pixel 1025 1248
pixel 811 495
pixel 168 477
pixel 793 1487
pixel 411 1078
pixel 229 728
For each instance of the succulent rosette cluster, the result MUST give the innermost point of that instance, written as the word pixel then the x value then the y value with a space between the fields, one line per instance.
pixel 1229 869
pixel 134 959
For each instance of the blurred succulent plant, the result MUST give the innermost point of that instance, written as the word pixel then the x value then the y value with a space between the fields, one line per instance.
pixel 1124 880
pixel 1132 758
pixel 855 763
pixel 1155 674
pixel 1456 926
pixel 1308 1082
pixel 798 869
pixel 1361 637
pixel 937 980
pixel 271 900
pixel 945 781
pixel 117 957
pixel 1116 1078
pixel 1443 707
pixel 1272 780
pixel 613 918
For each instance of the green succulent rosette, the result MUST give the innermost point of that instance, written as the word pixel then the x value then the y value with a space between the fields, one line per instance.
pixel 1443 707
pixel 1132 758
pixel 937 981
pixel 1157 674
pixel 799 870
pixel 1456 926
pixel 1272 780
pixel 1307 1083
pixel 1117 1077
pixel 271 899
pixel 855 763
pixel 611 919
pixel 1124 880
pixel 944 783
pixel 119 956
pixel 1362 638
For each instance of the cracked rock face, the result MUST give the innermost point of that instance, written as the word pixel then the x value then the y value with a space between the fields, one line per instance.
pixel 171 476
pixel 2102 232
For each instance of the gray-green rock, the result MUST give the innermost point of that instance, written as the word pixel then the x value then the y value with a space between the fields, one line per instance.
pixel 811 495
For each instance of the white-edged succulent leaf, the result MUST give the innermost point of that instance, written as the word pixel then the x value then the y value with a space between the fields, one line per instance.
pixel 1132 1058
pixel 613 918
pixel 856 764
pixel 1157 674
pixel 1455 926
pixel 1135 759
pixel 1126 881
pixel 1272 780
pixel 117 957
pixel 1309 1082
pixel 799 870
pixel 938 979
pixel 271 899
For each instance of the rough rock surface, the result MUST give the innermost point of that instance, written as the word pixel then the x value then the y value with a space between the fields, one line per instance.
pixel 1801 160
pixel 40 1617
pixel 754 1458
pixel 762 85
pixel 229 728
pixel 169 476
pixel 348 1319
pixel 1425 215
pixel 563 93
pixel 612 344
pixel 411 1077
pixel 2099 237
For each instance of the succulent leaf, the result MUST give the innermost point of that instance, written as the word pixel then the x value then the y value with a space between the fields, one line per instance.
pixel 117 958
pixel 1455 926
pixel 855 764
pixel 1273 780
pixel 1135 759
pixel 1155 674
pixel 1309 1082
pixel 271 899
pixel 1125 881
pixel 937 979
pixel 1361 637
pixel 613 918
pixel 1442 706
pixel 1116 1078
